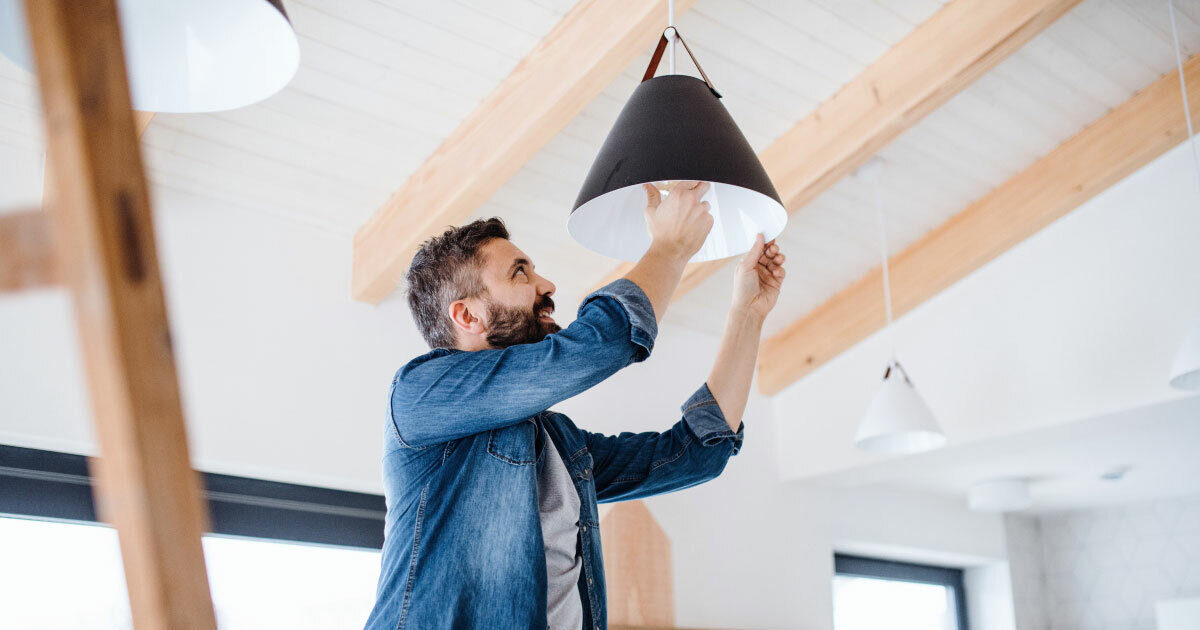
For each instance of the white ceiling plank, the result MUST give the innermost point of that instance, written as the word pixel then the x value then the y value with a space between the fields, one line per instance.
pixel 528 17
pixel 915 11
pixel 354 38
pixel 878 22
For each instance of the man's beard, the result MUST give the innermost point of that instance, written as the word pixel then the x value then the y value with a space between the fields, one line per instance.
pixel 510 326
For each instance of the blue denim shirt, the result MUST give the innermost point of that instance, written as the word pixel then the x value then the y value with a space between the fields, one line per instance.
pixel 463 542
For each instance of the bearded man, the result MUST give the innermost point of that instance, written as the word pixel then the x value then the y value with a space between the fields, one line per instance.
pixel 491 497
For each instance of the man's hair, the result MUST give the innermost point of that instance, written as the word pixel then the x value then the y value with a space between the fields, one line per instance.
pixel 445 269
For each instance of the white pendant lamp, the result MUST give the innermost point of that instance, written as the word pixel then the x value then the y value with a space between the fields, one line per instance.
pixel 898 421
pixel 674 127
pixel 186 56
pixel 1185 372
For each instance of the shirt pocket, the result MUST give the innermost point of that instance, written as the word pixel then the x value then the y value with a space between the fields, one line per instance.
pixel 514 444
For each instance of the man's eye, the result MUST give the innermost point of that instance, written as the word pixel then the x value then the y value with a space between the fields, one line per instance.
pixel 520 270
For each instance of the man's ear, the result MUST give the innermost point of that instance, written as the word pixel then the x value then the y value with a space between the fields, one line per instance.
pixel 467 317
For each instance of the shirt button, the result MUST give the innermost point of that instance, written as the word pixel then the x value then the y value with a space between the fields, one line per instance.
pixel 585 528
pixel 589 581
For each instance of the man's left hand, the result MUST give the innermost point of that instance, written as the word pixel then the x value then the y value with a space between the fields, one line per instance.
pixel 758 278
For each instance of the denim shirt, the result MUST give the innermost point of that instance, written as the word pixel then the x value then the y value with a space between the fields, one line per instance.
pixel 463 543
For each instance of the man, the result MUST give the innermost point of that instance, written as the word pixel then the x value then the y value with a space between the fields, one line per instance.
pixel 491 498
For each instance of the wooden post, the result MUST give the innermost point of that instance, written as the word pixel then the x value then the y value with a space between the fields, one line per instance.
pixel 637 568
pixel 100 213
pixel 27 258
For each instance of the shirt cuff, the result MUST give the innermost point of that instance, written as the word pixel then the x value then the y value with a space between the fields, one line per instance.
pixel 643 328
pixel 703 416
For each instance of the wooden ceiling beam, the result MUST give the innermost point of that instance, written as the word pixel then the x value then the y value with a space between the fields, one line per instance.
pixel 939 58
pixel 104 228
pixel 581 56
pixel 1108 150
pixel 27 256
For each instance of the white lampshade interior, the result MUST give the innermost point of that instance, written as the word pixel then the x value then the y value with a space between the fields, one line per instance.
pixel 898 421
pixel 614 224
pixel 1185 372
pixel 189 55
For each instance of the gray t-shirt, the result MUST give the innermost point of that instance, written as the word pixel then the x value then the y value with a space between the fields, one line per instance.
pixel 558 507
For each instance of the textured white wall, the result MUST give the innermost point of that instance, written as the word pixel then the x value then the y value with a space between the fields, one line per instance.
pixel 1081 319
pixel 989 597
pixel 1104 569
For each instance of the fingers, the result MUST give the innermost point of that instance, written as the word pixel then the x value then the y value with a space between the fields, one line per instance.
pixel 756 253
pixel 770 262
pixel 653 198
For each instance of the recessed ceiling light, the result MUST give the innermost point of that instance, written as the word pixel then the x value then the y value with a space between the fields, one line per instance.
pixel 1115 474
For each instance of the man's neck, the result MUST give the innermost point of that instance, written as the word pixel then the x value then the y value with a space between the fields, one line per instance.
pixel 472 345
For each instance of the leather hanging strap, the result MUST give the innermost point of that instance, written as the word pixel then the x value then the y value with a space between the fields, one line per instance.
pixel 656 58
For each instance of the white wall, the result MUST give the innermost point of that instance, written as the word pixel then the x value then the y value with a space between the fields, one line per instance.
pixel 1024 538
pixel 1105 568
pixel 282 375
pixel 751 551
pixel 989 597
pixel 1084 318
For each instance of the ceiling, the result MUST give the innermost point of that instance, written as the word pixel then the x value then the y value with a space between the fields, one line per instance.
pixel 1155 446
pixel 278 189
pixel 381 84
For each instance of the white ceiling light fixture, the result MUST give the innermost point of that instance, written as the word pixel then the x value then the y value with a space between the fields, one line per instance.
pixel 898 421
pixel 999 495
pixel 674 128
pixel 1185 372
pixel 185 56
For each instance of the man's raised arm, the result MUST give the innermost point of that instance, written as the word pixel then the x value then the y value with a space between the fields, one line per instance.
pixel 759 276
pixel 435 399
pixel 678 227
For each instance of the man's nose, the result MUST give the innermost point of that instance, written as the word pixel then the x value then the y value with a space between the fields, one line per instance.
pixel 545 287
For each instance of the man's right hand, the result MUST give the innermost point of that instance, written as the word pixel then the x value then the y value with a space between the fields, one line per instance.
pixel 681 223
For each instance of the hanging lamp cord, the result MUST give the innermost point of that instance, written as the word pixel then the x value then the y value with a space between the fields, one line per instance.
pixel 671 28
pixel 887 280
pixel 656 58
pixel 1187 109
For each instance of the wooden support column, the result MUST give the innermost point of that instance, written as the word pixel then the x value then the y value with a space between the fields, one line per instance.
pixel 27 255
pixel 101 216
pixel 637 568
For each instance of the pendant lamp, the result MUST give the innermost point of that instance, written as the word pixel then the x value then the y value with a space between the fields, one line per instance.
pixel 187 56
pixel 1185 372
pixel 898 420
pixel 674 127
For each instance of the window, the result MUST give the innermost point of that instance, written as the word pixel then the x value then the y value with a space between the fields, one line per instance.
pixel 869 594
pixel 282 555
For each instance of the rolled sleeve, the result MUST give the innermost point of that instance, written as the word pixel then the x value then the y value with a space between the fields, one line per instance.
pixel 643 327
pixel 703 416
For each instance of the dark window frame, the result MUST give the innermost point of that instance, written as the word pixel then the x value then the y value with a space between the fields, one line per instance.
pixel 51 485
pixel 895 570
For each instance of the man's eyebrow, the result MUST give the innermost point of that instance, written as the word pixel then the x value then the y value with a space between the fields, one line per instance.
pixel 517 263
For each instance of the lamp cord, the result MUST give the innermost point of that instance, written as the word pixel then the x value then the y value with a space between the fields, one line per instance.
pixel 671 27
pixel 883 255
pixel 1187 109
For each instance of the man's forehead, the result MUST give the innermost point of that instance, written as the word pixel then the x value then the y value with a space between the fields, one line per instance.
pixel 499 254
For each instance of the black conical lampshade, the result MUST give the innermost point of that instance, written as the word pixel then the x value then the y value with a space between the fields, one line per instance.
pixel 674 127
